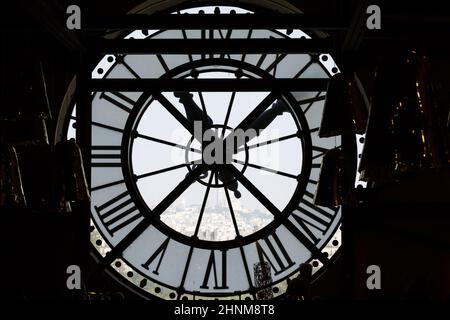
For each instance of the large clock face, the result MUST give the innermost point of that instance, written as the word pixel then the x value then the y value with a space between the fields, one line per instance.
pixel 180 227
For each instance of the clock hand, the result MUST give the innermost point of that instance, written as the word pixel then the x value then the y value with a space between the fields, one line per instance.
pixel 227 177
pixel 259 119
pixel 194 113
pixel 259 124
pixel 268 116
pixel 262 122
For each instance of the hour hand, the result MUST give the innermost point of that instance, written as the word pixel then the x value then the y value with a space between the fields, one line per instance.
pixel 227 178
pixel 264 120
pixel 268 116
pixel 193 111
pixel 255 127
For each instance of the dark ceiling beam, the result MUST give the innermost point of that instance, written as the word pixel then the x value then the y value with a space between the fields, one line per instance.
pixel 219 46
pixel 354 35
pixel 44 14
pixel 373 47
pixel 424 32
pixel 416 22
pixel 212 21
pixel 215 85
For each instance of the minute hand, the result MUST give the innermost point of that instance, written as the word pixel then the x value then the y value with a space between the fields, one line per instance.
pixel 258 122
pixel 266 118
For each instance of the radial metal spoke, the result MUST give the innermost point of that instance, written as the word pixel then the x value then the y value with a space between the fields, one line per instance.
pixel 317 98
pixel 274 64
pixel 311 103
pixel 302 70
pixel 127 66
pixel 107 185
pixel 230 207
pixel 315 252
pixel 260 144
pixel 254 191
pixel 145 175
pixel 281 173
pixel 277 214
pixel 143 136
pixel 205 199
pixel 252 116
pixel 227 116
pixel 174 112
pixel 205 112
pixel 321 152
pixel 105 126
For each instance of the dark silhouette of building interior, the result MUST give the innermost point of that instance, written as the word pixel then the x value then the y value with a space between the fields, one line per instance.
pixel 401 225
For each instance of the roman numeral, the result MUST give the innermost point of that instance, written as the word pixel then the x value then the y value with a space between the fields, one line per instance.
pixel 211 267
pixel 107 185
pixel 112 214
pixel 227 36
pixel 310 204
pixel 186 268
pixel 105 156
pixel 312 218
pixel 247 272
pixel 281 260
pixel 159 252
pixel 119 100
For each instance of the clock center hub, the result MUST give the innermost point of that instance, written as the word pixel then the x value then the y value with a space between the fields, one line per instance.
pixel 221 147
